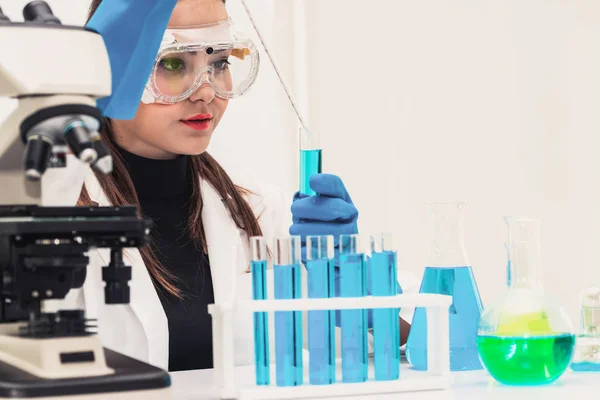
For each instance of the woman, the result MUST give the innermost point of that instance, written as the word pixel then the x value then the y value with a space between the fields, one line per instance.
pixel 203 216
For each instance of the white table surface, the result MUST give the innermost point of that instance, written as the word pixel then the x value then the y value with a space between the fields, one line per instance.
pixel 194 385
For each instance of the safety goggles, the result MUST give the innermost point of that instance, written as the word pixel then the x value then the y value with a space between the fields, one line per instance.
pixel 216 55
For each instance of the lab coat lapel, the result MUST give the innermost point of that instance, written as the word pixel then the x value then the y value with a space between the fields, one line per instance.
pixel 144 299
pixel 224 244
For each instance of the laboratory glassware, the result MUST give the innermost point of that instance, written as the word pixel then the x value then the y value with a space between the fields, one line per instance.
pixel 587 344
pixel 448 272
pixel 310 141
pixel 321 323
pixel 310 159
pixel 525 338
pixel 354 323
pixel 258 268
pixel 288 324
pixel 386 322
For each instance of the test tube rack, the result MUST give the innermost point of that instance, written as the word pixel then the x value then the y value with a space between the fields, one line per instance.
pixel 437 377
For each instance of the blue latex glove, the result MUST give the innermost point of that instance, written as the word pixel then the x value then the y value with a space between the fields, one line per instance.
pixel 329 212
pixel 132 31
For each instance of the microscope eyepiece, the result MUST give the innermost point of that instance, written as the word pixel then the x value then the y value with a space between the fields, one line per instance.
pixel 3 18
pixel 39 11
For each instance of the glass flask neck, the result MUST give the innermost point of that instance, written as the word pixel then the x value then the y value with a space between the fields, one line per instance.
pixel 524 253
pixel 447 244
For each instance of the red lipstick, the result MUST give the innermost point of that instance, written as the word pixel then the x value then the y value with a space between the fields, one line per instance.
pixel 200 122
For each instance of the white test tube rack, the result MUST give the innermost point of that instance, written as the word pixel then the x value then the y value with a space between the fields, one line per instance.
pixel 437 376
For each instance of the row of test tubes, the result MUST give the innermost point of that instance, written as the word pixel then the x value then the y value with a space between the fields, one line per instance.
pixel 350 276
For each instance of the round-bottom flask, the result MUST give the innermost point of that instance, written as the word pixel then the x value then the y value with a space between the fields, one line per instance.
pixel 525 338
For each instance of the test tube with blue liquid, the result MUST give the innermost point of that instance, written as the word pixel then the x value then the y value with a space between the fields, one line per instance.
pixel 386 322
pixel 354 323
pixel 258 268
pixel 310 159
pixel 321 324
pixel 288 324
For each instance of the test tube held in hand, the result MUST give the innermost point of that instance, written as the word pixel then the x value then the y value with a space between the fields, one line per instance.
pixel 288 324
pixel 258 268
pixel 386 323
pixel 354 323
pixel 321 324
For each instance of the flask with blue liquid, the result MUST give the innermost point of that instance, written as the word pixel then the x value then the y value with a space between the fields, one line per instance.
pixel 448 272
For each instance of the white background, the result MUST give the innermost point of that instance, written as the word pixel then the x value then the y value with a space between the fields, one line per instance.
pixel 493 102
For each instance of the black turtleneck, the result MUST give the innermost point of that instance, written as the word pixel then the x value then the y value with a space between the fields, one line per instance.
pixel 164 188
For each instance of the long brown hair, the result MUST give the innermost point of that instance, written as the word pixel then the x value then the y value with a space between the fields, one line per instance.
pixel 119 190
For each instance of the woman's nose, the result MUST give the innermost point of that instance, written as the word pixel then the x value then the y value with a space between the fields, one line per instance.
pixel 205 93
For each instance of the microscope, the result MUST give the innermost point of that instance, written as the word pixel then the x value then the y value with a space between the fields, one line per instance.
pixel 56 73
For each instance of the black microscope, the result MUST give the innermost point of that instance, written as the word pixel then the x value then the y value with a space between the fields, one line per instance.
pixel 56 73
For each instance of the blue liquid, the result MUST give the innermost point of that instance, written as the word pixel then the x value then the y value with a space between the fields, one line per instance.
pixel 321 324
pixel 310 164
pixel 585 367
pixel 354 324
pixel 386 321
pixel 261 323
pixel 288 327
pixel 465 312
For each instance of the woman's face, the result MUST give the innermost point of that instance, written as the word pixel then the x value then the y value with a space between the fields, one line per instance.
pixel 157 130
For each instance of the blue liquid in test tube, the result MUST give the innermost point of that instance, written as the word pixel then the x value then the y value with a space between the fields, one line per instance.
pixel 288 324
pixel 258 268
pixel 321 324
pixel 354 323
pixel 310 159
pixel 386 323
pixel 310 164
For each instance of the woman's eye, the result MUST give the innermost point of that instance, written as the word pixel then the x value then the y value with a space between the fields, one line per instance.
pixel 172 64
pixel 221 65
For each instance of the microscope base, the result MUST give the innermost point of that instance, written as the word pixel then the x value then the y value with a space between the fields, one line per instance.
pixel 144 395
pixel 132 380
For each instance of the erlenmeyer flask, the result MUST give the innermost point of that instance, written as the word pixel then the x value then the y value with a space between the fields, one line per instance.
pixel 525 338
pixel 448 272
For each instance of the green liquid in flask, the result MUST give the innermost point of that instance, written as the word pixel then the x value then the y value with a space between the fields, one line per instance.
pixel 310 164
pixel 526 361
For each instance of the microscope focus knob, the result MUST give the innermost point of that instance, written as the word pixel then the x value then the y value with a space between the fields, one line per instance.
pixel 39 11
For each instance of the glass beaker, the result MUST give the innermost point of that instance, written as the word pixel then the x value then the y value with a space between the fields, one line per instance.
pixel 525 338
pixel 587 344
pixel 448 272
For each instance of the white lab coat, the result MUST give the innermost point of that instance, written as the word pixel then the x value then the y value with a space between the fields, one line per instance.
pixel 139 329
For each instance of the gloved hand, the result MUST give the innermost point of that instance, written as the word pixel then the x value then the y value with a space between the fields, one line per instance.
pixel 132 32
pixel 329 212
